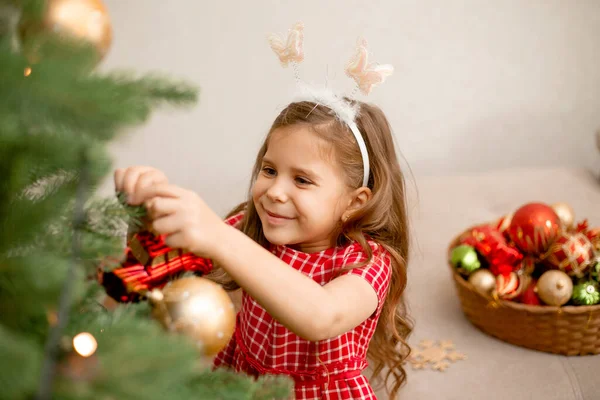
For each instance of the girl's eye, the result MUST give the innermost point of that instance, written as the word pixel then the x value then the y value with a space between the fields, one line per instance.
pixel 302 181
pixel 269 171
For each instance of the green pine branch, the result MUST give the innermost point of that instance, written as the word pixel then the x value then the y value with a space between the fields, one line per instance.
pixel 55 123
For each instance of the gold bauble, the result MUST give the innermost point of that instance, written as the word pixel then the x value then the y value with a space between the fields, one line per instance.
pixel 483 281
pixel 198 308
pixel 86 20
pixel 554 288
pixel 566 214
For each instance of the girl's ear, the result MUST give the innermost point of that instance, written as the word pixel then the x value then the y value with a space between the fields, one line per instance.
pixel 358 199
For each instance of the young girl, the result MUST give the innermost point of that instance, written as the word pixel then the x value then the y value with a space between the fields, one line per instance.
pixel 320 256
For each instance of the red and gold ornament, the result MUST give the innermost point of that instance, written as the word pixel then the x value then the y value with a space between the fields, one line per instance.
pixel 510 286
pixel 491 245
pixel 593 234
pixel 571 253
pixel 503 223
pixel 534 227
pixel 149 264
pixel 527 266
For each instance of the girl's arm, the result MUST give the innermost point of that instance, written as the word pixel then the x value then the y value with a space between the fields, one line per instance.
pixel 311 311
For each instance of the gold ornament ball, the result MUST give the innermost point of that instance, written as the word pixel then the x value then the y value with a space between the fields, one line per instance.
pixel 483 281
pixel 565 213
pixel 198 308
pixel 87 20
pixel 554 287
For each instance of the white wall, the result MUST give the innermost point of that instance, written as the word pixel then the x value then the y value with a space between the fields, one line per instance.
pixel 479 85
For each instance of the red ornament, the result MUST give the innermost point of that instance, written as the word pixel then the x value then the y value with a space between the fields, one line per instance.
pixel 491 245
pixel 593 234
pixel 529 295
pixel 150 263
pixel 527 266
pixel 510 286
pixel 534 227
pixel 571 253
pixel 582 226
pixel 503 223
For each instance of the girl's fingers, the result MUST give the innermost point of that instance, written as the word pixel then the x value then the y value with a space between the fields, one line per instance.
pixel 167 225
pixel 131 177
pixel 160 190
pixel 119 175
pixel 148 178
pixel 159 207
pixel 176 240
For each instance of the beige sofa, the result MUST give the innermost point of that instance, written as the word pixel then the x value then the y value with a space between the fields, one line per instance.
pixel 440 208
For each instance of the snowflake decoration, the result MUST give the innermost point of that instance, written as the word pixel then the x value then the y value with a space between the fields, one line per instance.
pixel 435 355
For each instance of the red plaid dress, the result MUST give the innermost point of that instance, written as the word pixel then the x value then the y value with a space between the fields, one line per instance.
pixel 327 369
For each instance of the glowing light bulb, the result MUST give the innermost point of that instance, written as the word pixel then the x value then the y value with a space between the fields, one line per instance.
pixel 85 344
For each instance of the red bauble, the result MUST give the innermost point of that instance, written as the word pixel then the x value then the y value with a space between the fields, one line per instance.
pixel 534 227
pixel 529 296
pixel 571 253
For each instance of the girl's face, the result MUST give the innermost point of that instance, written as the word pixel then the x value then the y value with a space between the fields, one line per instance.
pixel 300 194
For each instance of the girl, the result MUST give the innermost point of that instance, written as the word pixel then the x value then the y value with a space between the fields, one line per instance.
pixel 320 257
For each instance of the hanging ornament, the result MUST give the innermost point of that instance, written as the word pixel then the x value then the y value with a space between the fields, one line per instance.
pixel 149 263
pixel 534 227
pixel 586 293
pixel 464 259
pixel 85 20
pixel 572 253
pixel 554 288
pixel 529 295
pixel 198 308
pixel 483 281
pixel 565 213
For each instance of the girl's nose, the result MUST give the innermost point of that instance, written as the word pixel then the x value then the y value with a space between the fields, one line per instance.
pixel 277 192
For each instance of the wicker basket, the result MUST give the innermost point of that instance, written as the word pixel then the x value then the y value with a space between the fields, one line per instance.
pixel 568 330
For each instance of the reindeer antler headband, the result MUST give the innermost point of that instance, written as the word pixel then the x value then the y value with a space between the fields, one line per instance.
pixel 358 68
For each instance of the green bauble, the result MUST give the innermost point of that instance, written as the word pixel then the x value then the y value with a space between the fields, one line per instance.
pixel 464 259
pixel 586 293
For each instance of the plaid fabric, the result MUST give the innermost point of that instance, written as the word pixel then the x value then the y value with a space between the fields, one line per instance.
pixel 150 263
pixel 327 369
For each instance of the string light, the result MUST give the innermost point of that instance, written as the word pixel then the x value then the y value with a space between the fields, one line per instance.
pixel 27 71
pixel 85 344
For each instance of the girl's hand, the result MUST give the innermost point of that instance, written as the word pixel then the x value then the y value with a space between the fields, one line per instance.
pixel 184 217
pixel 133 179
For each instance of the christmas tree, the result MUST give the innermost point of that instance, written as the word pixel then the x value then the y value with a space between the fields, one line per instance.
pixel 57 339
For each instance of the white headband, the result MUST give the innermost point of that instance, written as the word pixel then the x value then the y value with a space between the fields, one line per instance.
pixel 364 74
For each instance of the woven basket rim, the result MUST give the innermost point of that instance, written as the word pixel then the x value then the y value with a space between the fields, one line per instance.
pixel 541 309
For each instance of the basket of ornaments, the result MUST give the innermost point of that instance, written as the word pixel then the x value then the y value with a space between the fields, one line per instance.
pixel 532 279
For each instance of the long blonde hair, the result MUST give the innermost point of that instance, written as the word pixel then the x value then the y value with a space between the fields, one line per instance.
pixel 383 219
